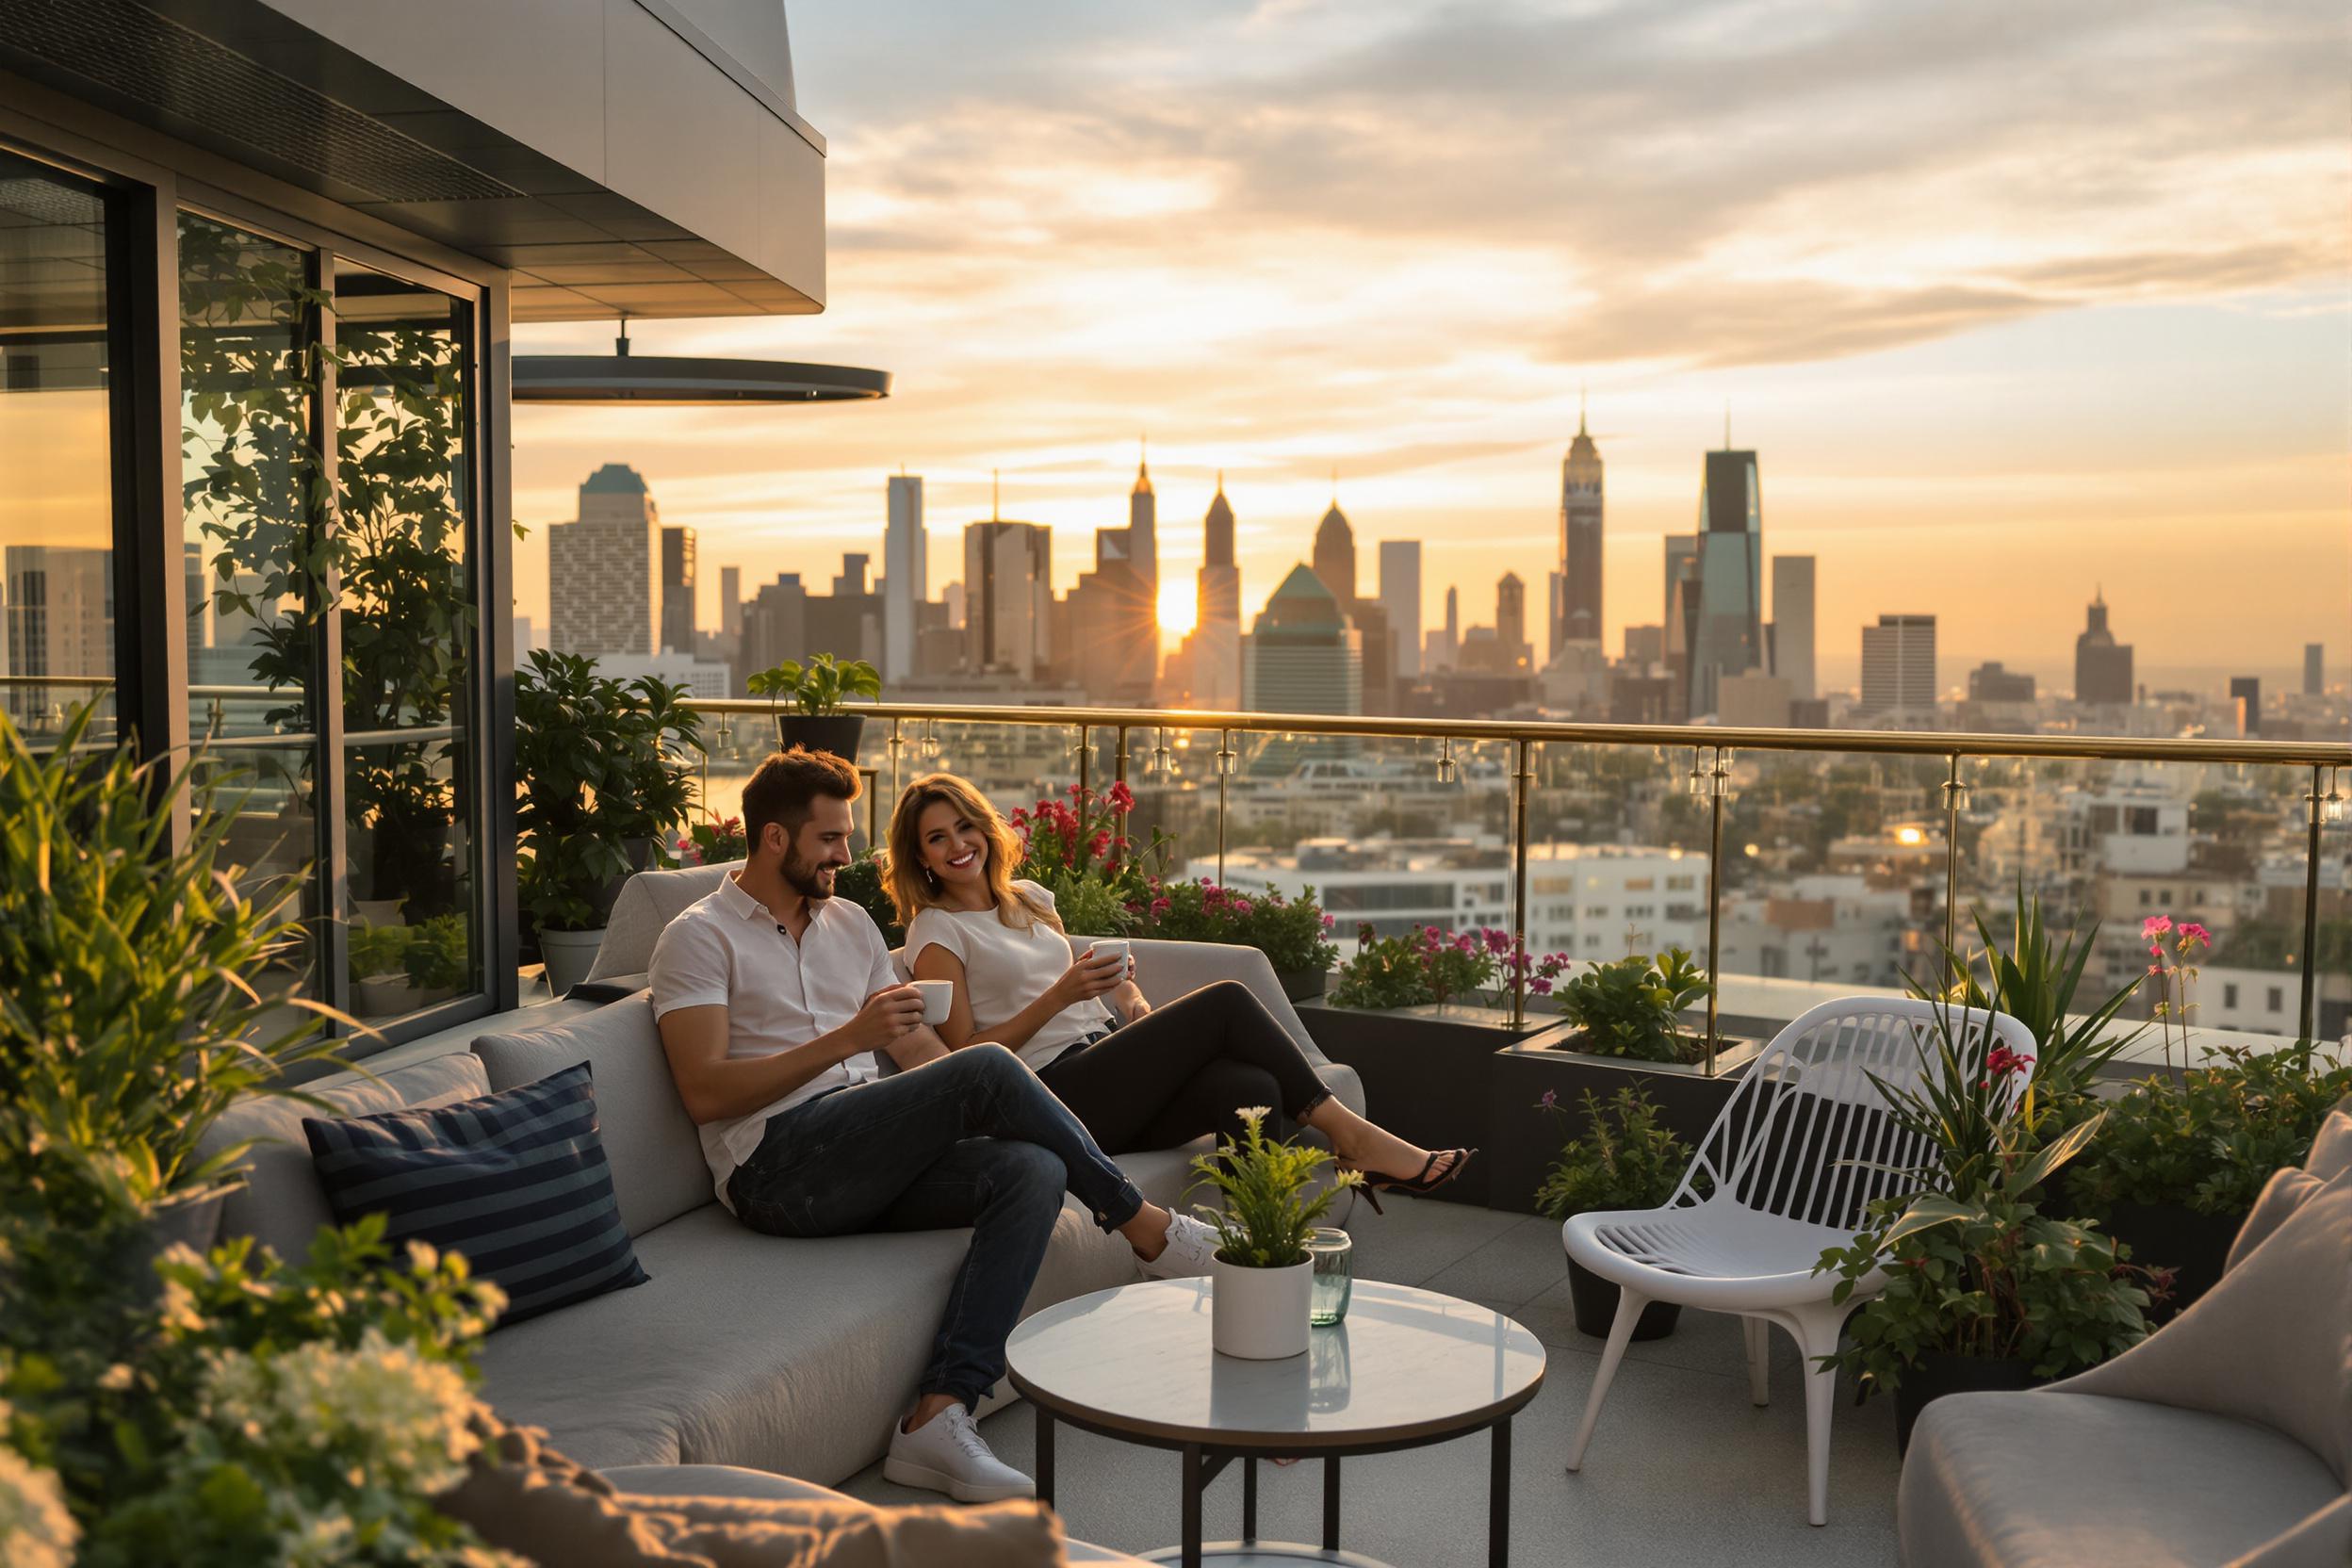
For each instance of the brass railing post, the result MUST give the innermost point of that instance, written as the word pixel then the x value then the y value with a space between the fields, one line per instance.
pixel 1224 773
pixel 2317 800
pixel 1086 767
pixel 1955 794
pixel 1118 766
pixel 1717 777
pixel 898 744
pixel 1524 776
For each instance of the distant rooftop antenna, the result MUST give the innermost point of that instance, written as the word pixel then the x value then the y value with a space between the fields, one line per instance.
pixel 994 516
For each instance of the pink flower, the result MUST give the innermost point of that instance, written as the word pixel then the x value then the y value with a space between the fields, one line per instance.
pixel 2155 925
pixel 1540 986
pixel 2192 932
pixel 1551 1098
pixel 2155 969
pixel 1328 923
pixel 1121 798
pixel 1160 906
pixel 1242 905
pixel 1496 940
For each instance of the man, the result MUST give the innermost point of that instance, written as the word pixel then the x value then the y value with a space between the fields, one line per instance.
pixel 775 999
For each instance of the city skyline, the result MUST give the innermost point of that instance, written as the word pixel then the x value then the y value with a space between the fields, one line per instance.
pixel 1943 339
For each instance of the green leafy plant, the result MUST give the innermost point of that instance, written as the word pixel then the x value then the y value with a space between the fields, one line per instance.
pixel 1625 1158
pixel 715 842
pixel 2033 980
pixel 817 688
pixel 600 767
pixel 377 951
pixel 2209 1139
pixel 245 1405
pixel 440 954
pixel 1383 973
pixel 1290 932
pixel 1633 1008
pixel 861 882
pixel 141 995
pixel 1269 1212
pixel 1087 905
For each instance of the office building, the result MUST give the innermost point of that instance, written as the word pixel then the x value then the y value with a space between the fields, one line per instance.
pixel 1143 535
pixel 1401 596
pixel 1725 625
pixel 1899 668
pixel 1576 609
pixel 1303 655
pixel 2246 695
pixel 776 627
pixel 1510 621
pixel 1645 646
pixel 1008 598
pixel 906 551
pixel 1209 663
pixel 1792 625
pixel 1752 700
pixel 605 570
pixel 1990 682
pixel 57 604
pixel 1336 554
pixel 2102 666
pixel 1110 649
pixel 730 601
pixel 2314 669
pixel 1681 614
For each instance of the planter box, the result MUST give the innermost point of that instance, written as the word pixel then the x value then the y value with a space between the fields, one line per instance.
pixel 1426 1074
pixel 2174 1236
pixel 1302 985
pixel 1526 1139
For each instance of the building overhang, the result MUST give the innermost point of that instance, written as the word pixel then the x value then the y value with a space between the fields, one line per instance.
pixel 620 158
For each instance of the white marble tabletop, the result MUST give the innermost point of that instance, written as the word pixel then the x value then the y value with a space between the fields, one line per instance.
pixel 1404 1364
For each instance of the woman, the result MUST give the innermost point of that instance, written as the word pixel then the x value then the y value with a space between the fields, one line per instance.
pixel 1138 1078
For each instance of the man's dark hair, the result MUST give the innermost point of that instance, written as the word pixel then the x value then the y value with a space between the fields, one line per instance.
pixel 783 788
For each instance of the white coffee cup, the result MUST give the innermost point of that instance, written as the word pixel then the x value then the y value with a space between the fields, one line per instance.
pixel 939 996
pixel 1107 948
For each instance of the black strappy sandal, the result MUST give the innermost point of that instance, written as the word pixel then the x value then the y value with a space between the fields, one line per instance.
pixel 1425 1183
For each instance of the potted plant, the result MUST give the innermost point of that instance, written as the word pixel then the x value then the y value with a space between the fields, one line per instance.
pixel 1078 849
pixel 1261 1278
pixel 1975 1286
pixel 379 967
pixel 1623 1158
pixel 2179 1161
pixel 816 692
pixel 861 883
pixel 714 842
pixel 598 774
pixel 439 959
pixel 1290 932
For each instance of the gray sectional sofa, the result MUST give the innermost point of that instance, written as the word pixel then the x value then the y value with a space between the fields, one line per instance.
pixel 784 1356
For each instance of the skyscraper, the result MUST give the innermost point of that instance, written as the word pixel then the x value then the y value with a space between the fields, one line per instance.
pixel 730 601
pixel 1728 633
pixel 2314 669
pixel 2246 695
pixel 1143 533
pixel 677 589
pixel 1336 554
pixel 1792 624
pixel 1510 622
pixel 604 569
pixel 1401 595
pixel 1303 655
pixel 1212 652
pixel 2102 666
pixel 1578 615
pixel 1898 667
pixel 906 551
pixel 1008 598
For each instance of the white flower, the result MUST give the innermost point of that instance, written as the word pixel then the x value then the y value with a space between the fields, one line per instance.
pixel 398 1419
pixel 1253 1113
pixel 35 1529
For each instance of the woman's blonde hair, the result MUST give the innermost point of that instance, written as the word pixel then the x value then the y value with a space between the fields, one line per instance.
pixel 912 886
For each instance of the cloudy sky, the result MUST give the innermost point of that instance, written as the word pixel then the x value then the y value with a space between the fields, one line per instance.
pixel 2012 299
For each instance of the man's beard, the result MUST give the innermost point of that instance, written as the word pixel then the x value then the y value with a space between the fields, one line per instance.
pixel 809 881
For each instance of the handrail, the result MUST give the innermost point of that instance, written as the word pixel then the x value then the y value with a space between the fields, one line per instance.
pixel 2324 758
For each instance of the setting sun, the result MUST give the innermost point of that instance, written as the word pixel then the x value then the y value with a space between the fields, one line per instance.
pixel 1177 609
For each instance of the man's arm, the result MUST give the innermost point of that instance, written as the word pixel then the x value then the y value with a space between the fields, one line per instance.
pixel 715 1086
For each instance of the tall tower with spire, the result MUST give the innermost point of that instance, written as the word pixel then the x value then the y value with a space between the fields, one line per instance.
pixel 1211 650
pixel 1335 551
pixel 1143 524
pixel 1578 615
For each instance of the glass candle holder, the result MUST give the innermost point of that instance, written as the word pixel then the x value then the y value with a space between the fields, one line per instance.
pixel 1333 1254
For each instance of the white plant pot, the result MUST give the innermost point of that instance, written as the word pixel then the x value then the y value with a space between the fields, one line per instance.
pixel 1259 1313
pixel 384 996
pixel 570 956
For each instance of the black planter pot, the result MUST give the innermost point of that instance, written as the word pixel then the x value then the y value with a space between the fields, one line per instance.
pixel 835 732
pixel 1597 1299
pixel 1301 985
pixel 1527 1138
pixel 1427 1075
pixel 2168 1235
pixel 1939 1374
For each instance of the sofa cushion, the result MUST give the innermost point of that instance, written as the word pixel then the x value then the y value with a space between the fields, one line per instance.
pixel 281 1204
pixel 649 901
pixel 2050 1479
pixel 516 1181
pixel 658 1168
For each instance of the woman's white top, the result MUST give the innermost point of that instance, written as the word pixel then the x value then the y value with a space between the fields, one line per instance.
pixel 1007 967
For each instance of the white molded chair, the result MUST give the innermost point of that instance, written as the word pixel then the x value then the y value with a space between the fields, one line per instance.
pixel 1800 1151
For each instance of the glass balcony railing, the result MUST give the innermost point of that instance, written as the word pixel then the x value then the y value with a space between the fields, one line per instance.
pixel 1781 858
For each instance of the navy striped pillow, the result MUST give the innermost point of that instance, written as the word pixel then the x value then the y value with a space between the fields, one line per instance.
pixel 516 1181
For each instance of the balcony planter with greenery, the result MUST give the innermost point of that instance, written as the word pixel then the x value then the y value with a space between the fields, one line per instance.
pixel 2179 1161
pixel 808 700
pixel 1623 1158
pixel 1262 1278
pixel 1290 932
pixel 1981 1287
pixel 600 770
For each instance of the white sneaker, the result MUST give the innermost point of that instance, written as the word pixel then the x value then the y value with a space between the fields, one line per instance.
pixel 948 1454
pixel 1191 1248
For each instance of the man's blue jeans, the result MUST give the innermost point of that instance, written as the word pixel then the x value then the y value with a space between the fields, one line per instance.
pixel 971 1139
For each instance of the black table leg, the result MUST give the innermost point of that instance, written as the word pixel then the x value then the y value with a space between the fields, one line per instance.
pixel 1499 1500
pixel 1331 1503
pixel 1193 1484
pixel 1249 1497
pixel 1045 1456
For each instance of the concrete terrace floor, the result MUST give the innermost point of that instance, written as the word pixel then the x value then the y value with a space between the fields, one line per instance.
pixel 1682 1470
